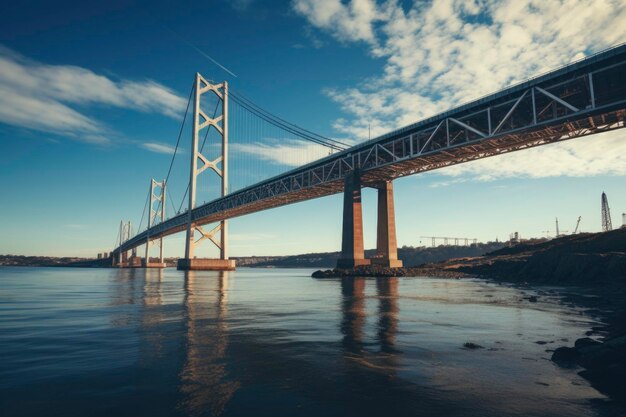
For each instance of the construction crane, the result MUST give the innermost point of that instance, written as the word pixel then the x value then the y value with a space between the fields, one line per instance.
pixel 606 214
pixel 557 227
pixel 577 224
pixel 447 240
pixel 559 232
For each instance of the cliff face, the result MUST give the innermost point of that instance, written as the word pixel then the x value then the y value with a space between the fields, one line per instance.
pixel 587 258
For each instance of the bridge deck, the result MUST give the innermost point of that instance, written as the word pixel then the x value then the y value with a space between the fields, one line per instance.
pixel 583 98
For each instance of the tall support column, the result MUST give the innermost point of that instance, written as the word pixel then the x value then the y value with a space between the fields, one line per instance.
pixel 224 223
pixel 386 243
pixel 163 196
pixel 150 209
pixel 119 255
pixel 153 214
pixel 352 251
pixel 201 120
pixel 193 172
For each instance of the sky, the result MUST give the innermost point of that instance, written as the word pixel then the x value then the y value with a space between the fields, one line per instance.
pixel 92 98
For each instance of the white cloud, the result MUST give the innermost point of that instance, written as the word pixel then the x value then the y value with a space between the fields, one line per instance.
pixel 46 97
pixel 352 22
pixel 287 152
pixel 159 148
pixel 441 54
pixel 602 154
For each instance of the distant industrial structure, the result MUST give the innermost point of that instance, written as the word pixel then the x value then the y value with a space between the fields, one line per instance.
pixel 607 226
pixel 447 241
pixel 577 224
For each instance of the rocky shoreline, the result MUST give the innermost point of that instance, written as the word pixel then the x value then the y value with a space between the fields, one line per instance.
pixel 380 271
pixel 592 264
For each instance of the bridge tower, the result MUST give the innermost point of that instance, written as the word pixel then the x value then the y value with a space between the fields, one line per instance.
pixel 120 258
pixel 202 121
pixel 153 214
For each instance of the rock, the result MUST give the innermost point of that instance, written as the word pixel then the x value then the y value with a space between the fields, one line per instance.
pixel 565 355
pixel 541 342
pixel 585 342
pixel 532 299
pixel 324 274
pixel 602 355
pixel 470 345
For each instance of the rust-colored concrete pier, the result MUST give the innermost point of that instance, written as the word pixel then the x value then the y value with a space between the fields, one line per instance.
pixel 352 250
pixel 386 243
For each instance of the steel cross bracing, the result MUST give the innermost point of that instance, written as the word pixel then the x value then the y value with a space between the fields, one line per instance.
pixel 583 98
pixel 155 213
pixel 219 165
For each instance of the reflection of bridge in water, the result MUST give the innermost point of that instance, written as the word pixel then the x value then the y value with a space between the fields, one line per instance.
pixel 354 317
pixel 194 342
pixel 196 347
pixel 583 98
pixel 205 382
pixel 185 324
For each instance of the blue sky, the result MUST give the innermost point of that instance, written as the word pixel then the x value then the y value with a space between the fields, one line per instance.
pixel 92 97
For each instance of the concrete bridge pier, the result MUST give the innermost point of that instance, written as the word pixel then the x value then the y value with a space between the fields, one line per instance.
pixel 352 251
pixel 386 243
pixel 120 260
pixel 145 263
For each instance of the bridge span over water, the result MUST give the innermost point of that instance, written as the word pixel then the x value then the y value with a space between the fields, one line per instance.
pixel 583 98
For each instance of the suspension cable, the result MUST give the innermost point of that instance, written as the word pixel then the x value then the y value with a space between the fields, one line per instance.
pixel 201 149
pixel 144 211
pixel 180 133
pixel 282 123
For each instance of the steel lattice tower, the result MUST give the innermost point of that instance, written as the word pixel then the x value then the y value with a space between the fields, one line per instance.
pixel 606 214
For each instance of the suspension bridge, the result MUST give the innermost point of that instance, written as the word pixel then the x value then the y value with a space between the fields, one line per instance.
pixel 275 162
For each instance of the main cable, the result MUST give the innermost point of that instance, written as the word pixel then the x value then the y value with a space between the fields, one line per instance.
pixel 285 125
pixel 201 149
pixel 241 97
pixel 143 213
pixel 180 133
pixel 289 128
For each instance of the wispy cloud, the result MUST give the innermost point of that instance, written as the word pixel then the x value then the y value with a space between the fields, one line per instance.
pixel 440 54
pixel 52 98
pixel 159 148
pixel 348 22
pixel 283 152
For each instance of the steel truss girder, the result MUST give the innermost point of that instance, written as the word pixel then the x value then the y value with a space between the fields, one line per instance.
pixel 153 214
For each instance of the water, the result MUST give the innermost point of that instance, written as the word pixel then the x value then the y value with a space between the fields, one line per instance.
pixel 129 342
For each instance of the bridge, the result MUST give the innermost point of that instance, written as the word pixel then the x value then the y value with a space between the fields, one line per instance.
pixel 583 98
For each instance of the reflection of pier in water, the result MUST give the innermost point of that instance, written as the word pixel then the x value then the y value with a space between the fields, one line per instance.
pixel 353 307
pixel 204 379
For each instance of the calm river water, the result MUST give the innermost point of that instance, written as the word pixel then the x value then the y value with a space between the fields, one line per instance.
pixel 130 342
